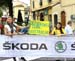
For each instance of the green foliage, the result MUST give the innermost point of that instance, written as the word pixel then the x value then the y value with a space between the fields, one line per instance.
pixel 7 3
pixel 1 13
pixel 4 3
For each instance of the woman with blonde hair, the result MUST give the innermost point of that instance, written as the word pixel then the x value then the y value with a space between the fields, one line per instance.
pixel 10 29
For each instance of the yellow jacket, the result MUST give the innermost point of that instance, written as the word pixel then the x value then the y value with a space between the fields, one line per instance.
pixel 57 31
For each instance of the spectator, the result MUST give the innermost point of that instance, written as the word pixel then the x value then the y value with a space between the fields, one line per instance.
pixel 68 28
pixel 9 29
pixel 58 30
pixel 23 29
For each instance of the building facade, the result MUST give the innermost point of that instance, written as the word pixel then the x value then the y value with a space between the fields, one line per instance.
pixel 68 9
pixel 53 11
pixel 18 5
pixel 40 9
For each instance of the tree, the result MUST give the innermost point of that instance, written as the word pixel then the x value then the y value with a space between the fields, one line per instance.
pixel 19 20
pixel 8 4
pixel 1 13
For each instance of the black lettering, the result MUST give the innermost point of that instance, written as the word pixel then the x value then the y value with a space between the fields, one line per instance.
pixel 43 46
pixel 24 46
pixel 73 45
pixel 15 46
pixel 6 46
pixel 34 46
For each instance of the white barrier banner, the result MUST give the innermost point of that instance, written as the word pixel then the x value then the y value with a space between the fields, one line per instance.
pixel 40 46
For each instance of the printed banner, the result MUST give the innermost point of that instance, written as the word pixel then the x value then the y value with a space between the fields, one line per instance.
pixel 38 46
pixel 39 27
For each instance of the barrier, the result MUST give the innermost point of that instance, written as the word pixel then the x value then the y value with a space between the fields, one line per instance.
pixel 39 46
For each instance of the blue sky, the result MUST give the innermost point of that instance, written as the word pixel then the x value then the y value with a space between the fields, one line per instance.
pixel 26 1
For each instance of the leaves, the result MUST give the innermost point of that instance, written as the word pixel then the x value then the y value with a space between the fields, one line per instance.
pixel 4 3
pixel 7 4
pixel 1 12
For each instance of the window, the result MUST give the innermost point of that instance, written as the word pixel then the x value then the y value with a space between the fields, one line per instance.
pixel 55 19
pixel 41 16
pixel 34 16
pixel 33 4
pixel 46 11
pixel 40 2
pixel 49 1
pixel 26 13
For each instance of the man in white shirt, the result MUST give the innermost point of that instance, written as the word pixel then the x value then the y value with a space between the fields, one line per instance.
pixel 68 28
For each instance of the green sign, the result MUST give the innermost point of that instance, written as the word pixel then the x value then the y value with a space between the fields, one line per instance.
pixel 39 27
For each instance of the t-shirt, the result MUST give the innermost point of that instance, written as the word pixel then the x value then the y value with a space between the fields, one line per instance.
pixel 15 24
pixel 57 31
pixel 9 29
pixel 68 29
